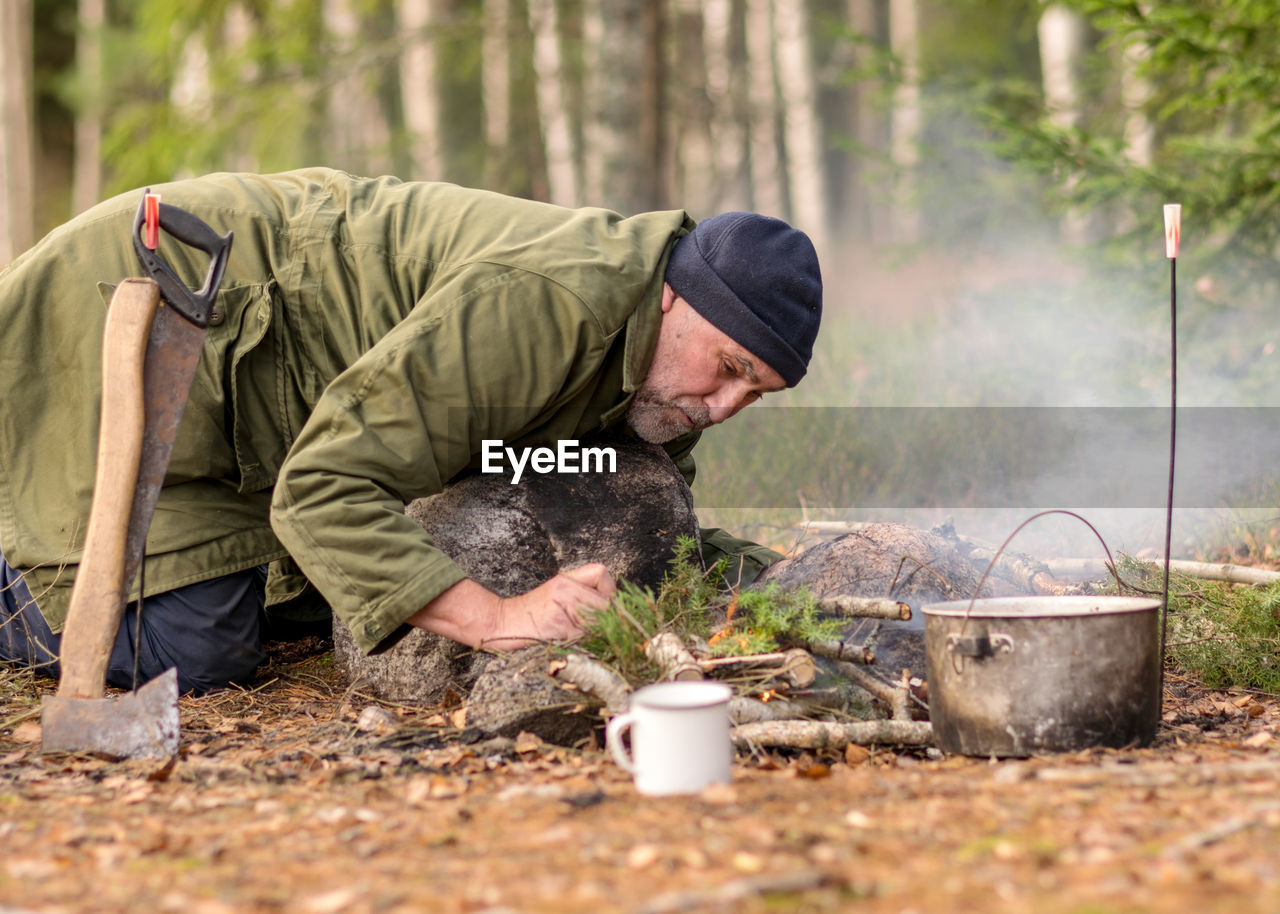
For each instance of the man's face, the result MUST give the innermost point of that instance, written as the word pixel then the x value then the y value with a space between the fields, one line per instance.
pixel 698 378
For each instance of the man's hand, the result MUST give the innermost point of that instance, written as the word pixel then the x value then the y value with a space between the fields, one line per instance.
pixel 552 611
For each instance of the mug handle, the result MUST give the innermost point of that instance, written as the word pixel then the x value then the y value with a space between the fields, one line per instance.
pixel 613 740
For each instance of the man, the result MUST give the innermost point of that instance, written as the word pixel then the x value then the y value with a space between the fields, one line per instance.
pixel 369 335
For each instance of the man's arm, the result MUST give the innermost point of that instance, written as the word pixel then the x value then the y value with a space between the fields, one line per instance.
pixel 554 611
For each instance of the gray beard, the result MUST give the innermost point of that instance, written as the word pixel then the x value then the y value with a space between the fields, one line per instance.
pixel 651 419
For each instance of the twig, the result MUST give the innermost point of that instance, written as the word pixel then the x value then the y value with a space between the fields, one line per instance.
pixel 794 667
pixel 864 607
pixel 819 734
pixel 670 655
pixel 594 679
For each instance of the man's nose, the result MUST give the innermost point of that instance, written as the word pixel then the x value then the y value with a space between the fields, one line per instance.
pixel 725 402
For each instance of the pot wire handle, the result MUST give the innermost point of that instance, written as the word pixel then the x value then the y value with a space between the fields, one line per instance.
pixel 1111 567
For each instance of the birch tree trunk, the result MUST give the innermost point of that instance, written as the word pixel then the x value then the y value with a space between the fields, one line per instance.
pixel 805 164
pixel 725 79
pixel 495 78
pixel 17 130
pixel 1062 34
pixel 1135 94
pixel 86 175
pixel 419 88
pixel 767 182
pixel 564 179
pixel 238 34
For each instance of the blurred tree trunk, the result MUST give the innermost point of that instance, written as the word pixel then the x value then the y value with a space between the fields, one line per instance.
pixel 17 130
pixel 866 214
pixel 238 34
pixel 769 193
pixel 1135 95
pixel 359 137
pixel 691 113
pixel 86 181
pixel 907 121
pixel 1062 33
pixel 564 179
pixel 623 135
pixel 726 79
pixel 420 89
pixel 495 77
pixel 798 84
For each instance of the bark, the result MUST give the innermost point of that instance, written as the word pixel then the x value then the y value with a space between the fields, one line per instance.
pixel 815 734
pixel 1062 34
pixel 564 179
pixel 803 134
pixel 495 78
pixel 419 88
pixel 768 190
pixel 86 181
pixel 907 121
pixel 17 130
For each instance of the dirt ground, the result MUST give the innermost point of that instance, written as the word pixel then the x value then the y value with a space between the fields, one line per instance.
pixel 293 796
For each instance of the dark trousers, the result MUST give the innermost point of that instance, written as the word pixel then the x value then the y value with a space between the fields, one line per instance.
pixel 211 632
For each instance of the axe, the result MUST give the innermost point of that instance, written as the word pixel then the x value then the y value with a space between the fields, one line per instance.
pixel 151 344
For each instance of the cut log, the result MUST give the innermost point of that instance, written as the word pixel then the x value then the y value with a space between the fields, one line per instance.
pixel 819 734
pixel 669 654
pixel 746 710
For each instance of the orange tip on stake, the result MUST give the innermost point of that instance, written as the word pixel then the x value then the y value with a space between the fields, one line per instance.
pixel 152 240
pixel 1172 229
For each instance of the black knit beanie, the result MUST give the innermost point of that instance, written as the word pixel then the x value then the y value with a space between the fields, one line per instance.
pixel 756 279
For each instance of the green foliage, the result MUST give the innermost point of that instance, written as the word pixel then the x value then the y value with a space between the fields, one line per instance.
pixel 690 603
pixel 1227 636
pixel 1212 68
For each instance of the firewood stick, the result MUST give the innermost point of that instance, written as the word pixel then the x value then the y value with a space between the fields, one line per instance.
pixel 821 734
pixel 795 667
pixel 746 710
pixel 864 607
pixel 668 652
pixel 594 679
pixel 896 697
pixel 1205 571
pixel 1019 568
pixel 834 649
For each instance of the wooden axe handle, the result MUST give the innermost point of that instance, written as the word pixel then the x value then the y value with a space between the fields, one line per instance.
pixel 98 595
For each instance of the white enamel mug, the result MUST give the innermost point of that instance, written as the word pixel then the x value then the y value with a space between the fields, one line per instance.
pixel 679 737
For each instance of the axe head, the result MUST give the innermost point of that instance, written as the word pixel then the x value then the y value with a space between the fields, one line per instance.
pixel 137 724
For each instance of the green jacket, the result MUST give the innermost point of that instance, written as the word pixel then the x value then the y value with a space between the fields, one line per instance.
pixel 368 336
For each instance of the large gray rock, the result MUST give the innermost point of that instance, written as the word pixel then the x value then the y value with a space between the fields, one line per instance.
pixel 511 538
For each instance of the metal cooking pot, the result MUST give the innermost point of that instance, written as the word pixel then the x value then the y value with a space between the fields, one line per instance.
pixel 1018 676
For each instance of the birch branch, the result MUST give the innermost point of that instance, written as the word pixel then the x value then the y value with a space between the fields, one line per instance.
pixel 817 734
pixel 834 649
pixel 898 698
pixel 595 679
pixel 1205 571
pixel 669 654
pixel 746 710
pixel 864 607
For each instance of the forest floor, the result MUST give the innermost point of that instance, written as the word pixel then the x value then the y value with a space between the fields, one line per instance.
pixel 280 801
